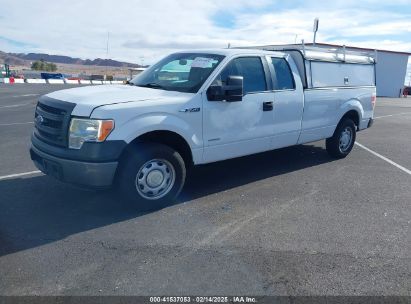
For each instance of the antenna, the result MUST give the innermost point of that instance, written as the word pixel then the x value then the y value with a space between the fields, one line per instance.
pixel 315 28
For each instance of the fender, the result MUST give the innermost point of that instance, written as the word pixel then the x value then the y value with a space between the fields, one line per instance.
pixel 352 104
pixel 157 121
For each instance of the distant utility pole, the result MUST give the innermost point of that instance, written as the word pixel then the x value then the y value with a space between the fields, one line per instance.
pixel 315 29
pixel 108 41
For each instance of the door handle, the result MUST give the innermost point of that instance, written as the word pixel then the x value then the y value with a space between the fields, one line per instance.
pixel 268 106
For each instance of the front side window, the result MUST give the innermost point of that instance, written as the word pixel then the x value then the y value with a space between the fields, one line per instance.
pixel 251 68
pixel 283 79
pixel 182 72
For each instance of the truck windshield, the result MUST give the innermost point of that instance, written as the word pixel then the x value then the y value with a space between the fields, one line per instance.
pixel 182 72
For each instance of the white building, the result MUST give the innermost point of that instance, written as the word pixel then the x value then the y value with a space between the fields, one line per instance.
pixel 391 68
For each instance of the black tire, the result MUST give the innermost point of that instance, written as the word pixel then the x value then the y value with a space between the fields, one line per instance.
pixel 140 159
pixel 333 145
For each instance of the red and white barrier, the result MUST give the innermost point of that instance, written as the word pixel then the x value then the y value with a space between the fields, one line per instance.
pixel 36 80
pixel 55 81
pixel 72 81
pixel 11 80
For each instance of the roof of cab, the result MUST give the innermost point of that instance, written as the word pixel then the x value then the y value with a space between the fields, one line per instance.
pixel 233 51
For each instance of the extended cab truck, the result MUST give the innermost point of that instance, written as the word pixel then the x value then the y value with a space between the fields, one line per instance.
pixel 199 107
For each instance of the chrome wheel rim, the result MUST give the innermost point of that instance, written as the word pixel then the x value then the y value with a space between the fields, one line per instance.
pixel 155 179
pixel 345 139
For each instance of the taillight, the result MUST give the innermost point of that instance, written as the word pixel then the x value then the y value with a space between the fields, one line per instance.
pixel 373 100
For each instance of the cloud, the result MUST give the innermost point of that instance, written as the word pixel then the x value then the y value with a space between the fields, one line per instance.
pixel 381 29
pixel 187 42
pixel 14 43
pixel 151 29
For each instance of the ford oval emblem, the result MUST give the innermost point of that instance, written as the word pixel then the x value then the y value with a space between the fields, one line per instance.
pixel 39 119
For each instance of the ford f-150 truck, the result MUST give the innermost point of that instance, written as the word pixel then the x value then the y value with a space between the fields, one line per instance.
pixel 198 107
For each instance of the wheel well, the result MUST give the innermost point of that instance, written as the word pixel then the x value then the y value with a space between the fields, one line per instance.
pixel 353 115
pixel 171 139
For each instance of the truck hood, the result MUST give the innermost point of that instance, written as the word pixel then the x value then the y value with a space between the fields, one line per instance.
pixel 90 97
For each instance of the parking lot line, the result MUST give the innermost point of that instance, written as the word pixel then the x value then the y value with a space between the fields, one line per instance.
pixel 15 106
pixel 25 95
pixel 18 96
pixel 17 123
pixel 404 113
pixel 19 175
pixel 384 158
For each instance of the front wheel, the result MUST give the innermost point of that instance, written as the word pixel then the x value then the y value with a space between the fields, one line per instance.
pixel 151 175
pixel 342 142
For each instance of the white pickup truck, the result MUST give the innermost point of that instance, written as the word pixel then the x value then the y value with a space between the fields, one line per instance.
pixel 198 107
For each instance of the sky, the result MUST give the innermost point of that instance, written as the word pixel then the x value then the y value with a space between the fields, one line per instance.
pixel 144 31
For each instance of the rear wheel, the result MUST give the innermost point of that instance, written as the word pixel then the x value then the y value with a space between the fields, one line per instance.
pixel 342 142
pixel 151 175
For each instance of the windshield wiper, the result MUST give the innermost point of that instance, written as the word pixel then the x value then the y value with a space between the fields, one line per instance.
pixel 153 85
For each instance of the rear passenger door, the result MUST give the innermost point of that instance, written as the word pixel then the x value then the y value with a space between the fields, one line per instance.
pixel 288 102
pixel 233 129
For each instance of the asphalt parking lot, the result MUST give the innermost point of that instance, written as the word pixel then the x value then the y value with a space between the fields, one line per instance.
pixel 287 222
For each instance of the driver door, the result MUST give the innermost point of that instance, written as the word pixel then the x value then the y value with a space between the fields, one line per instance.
pixel 232 129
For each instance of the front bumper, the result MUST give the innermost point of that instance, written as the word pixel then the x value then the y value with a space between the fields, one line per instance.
pixel 91 174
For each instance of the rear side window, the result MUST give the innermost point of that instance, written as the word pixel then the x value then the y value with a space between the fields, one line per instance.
pixel 251 68
pixel 283 78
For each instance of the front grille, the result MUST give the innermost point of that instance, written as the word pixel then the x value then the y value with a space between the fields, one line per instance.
pixel 51 121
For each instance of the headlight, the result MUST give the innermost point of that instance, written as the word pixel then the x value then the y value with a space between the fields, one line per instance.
pixel 88 130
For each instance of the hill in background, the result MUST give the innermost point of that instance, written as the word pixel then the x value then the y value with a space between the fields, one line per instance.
pixel 12 60
pixel 25 59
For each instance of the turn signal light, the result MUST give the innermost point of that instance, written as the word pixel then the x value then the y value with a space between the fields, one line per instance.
pixel 106 127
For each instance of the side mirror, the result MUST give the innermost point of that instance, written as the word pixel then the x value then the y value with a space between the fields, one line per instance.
pixel 234 88
pixel 231 92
